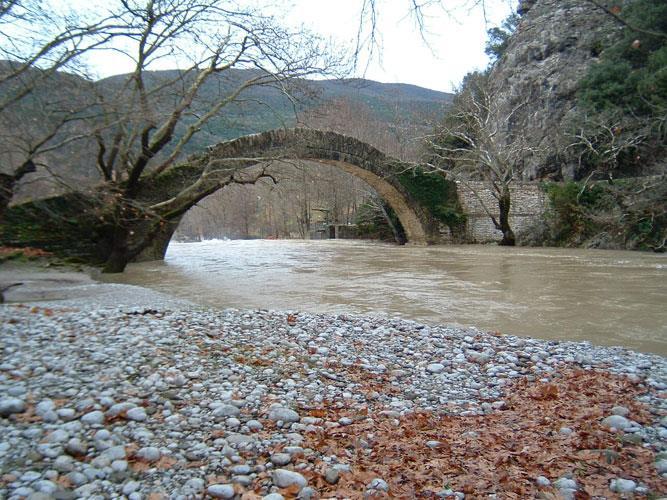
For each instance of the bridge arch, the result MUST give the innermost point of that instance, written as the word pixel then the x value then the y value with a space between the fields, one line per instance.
pixel 180 187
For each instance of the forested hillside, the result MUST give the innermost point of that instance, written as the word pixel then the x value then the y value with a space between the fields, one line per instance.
pixel 404 111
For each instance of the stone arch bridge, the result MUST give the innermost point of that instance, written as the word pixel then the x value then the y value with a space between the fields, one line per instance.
pixel 85 227
pixel 180 187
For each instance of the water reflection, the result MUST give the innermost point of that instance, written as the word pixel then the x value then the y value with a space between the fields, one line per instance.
pixel 607 297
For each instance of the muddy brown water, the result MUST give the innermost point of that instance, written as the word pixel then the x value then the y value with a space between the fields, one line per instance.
pixel 605 297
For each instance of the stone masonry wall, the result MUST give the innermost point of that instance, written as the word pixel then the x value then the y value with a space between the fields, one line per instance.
pixel 529 203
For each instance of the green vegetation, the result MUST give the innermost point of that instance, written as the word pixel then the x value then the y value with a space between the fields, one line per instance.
pixel 80 236
pixel 632 73
pixel 625 95
pixel 375 219
pixel 437 194
pixel 629 214
pixel 498 37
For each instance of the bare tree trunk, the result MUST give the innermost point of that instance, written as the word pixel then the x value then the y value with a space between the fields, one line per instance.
pixel 8 184
pixel 504 204
pixel 119 256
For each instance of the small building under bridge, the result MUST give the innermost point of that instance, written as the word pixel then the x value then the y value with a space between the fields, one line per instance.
pixel 323 231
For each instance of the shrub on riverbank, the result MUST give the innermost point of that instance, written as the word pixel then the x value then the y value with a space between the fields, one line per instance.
pixel 626 214
pixel 438 194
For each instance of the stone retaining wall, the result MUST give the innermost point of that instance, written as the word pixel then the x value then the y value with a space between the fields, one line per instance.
pixel 529 203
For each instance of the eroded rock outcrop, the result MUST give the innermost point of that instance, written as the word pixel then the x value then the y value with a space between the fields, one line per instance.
pixel 554 45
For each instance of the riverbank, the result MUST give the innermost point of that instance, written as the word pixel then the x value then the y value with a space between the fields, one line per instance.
pixel 111 391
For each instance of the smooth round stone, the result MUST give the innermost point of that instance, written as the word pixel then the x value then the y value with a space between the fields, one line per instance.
pixel 149 454
pixel 119 408
pixel 45 486
pixel 435 368
pixel 30 476
pixel 616 421
pixel 32 433
pixel 225 410
pixel 620 410
pixel 284 478
pixel 102 435
pixel 378 484
pixel 254 425
pixel 115 453
pixel 233 422
pixel 565 483
pixel 241 470
pixel 23 491
pixel 76 478
pixel 63 464
pixel 478 357
pixel 221 491
pixel 308 493
pixel 44 406
pixel 76 447
pixel 9 406
pixel 542 481
pixel 194 486
pixel 131 487
pixel 661 466
pixel 57 436
pixel 50 417
pixel 93 418
pixel 242 480
pixel 622 486
pixel 332 476
pixel 66 413
pixel 119 465
pixel 284 414
pixel 137 414
pixel 86 491
pixel 17 390
pixel 49 450
pixel 273 496
pixel 281 459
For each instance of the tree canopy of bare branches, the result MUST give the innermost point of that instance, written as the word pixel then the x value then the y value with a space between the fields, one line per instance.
pixel 472 144
pixel 139 125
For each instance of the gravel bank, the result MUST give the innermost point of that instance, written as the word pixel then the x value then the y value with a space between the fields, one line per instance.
pixel 180 402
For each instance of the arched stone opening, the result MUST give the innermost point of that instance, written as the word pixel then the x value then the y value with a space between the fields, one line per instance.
pixel 185 185
pixel 410 223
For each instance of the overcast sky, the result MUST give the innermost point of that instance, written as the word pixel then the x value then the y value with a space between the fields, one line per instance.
pixel 455 38
pixel 452 43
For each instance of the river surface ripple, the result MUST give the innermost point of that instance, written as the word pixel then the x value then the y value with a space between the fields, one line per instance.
pixel 605 297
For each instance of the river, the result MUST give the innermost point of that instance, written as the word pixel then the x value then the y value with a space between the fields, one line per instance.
pixel 605 297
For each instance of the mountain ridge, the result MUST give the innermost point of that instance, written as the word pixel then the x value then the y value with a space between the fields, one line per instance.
pixel 391 106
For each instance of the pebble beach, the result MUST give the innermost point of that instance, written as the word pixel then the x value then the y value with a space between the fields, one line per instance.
pixel 166 399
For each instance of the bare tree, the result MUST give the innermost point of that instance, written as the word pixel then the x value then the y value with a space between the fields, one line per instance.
pixel 40 37
pixel 602 140
pixel 37 118
pixel 142 124
pixel 473 144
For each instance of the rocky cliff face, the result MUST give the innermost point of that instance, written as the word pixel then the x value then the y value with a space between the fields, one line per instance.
pixel 552 49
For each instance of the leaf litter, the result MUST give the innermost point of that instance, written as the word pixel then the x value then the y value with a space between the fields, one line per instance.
pixel 502 452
